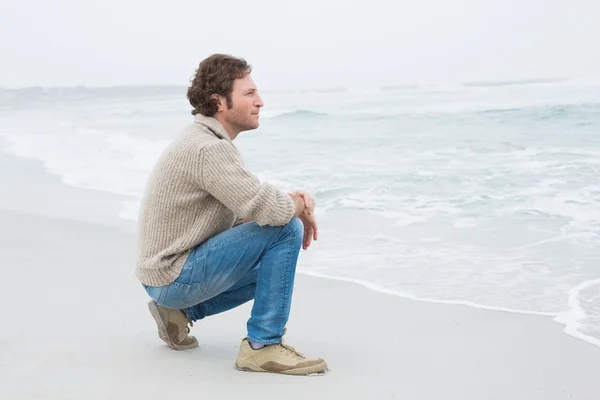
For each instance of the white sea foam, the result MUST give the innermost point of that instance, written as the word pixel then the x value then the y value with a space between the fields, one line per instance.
pixel 385 290
pixel 108 162
pixel 573 318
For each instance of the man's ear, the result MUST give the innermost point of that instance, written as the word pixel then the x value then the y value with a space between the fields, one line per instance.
pixel 217 101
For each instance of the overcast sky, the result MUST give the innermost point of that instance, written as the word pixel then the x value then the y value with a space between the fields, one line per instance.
pixel 306 43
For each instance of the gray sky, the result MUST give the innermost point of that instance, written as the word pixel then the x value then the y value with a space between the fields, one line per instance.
pixel 306 43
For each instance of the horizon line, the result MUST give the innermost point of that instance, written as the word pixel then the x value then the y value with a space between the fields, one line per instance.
pixel 335 88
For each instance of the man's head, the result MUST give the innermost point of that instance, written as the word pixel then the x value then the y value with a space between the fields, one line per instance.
pixel 223 88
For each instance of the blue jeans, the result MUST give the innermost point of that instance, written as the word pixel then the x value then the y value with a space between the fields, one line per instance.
pixel 243 263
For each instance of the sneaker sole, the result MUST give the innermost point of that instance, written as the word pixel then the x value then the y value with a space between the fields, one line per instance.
pixel 162 329
pixel 317 370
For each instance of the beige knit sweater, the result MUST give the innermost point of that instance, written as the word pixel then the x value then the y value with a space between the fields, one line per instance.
pixel 198 189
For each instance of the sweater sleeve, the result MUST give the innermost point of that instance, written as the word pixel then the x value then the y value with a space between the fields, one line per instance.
pixel 223 175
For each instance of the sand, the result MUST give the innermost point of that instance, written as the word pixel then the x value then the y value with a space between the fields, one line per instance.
pixel 75 326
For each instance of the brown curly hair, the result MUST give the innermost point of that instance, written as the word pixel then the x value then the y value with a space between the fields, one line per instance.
pixel 215 75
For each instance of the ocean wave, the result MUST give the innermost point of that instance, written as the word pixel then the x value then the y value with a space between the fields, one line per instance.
pixel 523 82
pixel 451 87
pixel 300 113
pixel 111 162
pixel 542 112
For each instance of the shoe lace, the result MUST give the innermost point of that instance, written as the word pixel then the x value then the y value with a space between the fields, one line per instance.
pixel 188 323
pixel 290 350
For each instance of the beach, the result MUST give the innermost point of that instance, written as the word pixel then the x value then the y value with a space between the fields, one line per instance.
pixel 76 326
pixel 452 153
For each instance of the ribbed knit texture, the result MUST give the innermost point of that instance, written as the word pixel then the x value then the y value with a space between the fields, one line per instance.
pixel 198 189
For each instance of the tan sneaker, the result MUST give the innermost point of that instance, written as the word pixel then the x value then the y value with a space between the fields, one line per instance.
pixel 278 358
pixel 172 327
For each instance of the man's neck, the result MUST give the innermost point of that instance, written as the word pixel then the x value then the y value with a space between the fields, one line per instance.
pixel 229 129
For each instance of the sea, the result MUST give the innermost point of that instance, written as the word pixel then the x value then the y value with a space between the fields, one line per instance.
pixel 485 194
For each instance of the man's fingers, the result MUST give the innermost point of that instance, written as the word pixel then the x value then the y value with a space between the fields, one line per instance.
pixel 311 230
pixel 308 234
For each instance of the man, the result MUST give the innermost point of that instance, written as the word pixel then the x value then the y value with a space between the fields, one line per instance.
pixel 212 237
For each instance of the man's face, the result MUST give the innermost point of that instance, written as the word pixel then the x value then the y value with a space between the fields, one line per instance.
pixel 246 104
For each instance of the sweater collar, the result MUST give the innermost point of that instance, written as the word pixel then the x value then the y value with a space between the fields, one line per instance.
pixel 213 125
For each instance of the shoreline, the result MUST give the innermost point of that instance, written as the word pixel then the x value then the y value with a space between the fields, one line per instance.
pixel 30 188
pixel 569 326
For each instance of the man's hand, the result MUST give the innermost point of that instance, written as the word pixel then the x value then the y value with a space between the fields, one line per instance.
pixel 305 210
pixel 299 204
pixel 309 203
pixel 311 230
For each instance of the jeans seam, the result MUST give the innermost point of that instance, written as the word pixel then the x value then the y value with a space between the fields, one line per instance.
pixel 163 295
pixel 285 281
pixel 211 303
pixel 242 295
pixel 284 285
